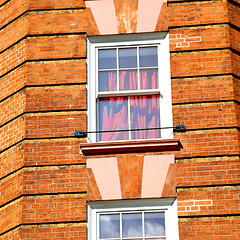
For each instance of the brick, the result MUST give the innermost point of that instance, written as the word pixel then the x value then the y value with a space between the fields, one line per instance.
pixel 209 143
pixel 235 41
pixel 41 48
pixel 56 98
pixel 56 72
pixel 92 28
pixel 56 4
pixel 13 82
pixel 201 89
pixel 92 187
pixel 14 8
pixel 169 188
pixel 43 73
pixel 197 13
pixel 43 209
pixel 220 200
pixel 206 173
pixel 49 125
pixel 202 37
pixel 162 23
pixel 130 174
pixel 10 216
pixel 53 152
pixel 193 227
pixel 206 115
pixel 202 63
pixel 55 231
pixel 126 13
pixel 12 107
pixel 54 208
pixel 43 180
pixel 13 57
pixel 12 133
pixel 57 22
pixel 43 22
pixel 234 12
pixel 14 234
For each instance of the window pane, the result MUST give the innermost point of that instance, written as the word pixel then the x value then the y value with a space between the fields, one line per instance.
pixel 132 225
pixel 110 226
pixel 149 79
pixel 148 57
pixel 154 224
pixel 107 81
pixel 159 238
pixel 107 59
pixel 127 57
pixel 133 238
pixel 113 116
pixel 145 113
pixel 128 80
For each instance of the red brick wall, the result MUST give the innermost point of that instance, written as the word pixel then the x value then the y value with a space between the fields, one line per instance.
pixel 43 101
pixel 204 46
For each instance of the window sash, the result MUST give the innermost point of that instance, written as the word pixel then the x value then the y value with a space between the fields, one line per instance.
pixel 138 68
pixel 143 226
pixel 129 113
pixel 136 77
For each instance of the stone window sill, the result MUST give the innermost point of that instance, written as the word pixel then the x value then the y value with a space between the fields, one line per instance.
pixel 131 146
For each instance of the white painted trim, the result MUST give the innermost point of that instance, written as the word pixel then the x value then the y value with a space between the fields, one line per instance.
pixel 162 40
pixel 165 90
pixel 168 205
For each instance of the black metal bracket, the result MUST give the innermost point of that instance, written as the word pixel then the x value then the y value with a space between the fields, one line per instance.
pixel 180 128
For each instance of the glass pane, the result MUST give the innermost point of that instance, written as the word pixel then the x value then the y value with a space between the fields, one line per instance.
pixel 133 238
pixel 159 238
pixel 127 57
pixel 148 56
pixel 107 59
pixel 113 116
pixel 109 226
pixel 145 113
pixel 132 225
pixel 149 79
pixel 107 81
pixel 154 224
pixel 128 80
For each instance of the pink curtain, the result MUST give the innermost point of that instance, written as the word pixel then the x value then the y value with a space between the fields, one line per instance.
pixel 145 114
pixel 128 80
pixel 113 116
pixel 144 110
pixel 148 79
pixel 112 82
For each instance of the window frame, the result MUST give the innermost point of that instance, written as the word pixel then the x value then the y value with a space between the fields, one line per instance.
pixel 166 205
pixel 164 90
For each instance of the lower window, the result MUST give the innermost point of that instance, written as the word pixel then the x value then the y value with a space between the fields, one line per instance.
pixel 133 220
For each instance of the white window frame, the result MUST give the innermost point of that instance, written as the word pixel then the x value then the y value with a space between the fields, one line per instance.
pixel 168 205
pixel 161 39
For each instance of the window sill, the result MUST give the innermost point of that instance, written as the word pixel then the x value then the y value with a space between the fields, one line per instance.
pixel 131 146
